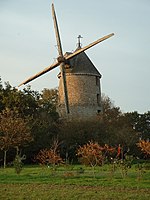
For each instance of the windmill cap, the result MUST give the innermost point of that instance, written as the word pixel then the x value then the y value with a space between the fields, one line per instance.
pixel 81 64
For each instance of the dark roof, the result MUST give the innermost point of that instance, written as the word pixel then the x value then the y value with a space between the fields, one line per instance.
pixel 81 64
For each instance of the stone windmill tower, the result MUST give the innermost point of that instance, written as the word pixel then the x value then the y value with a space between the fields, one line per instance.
pixel 79 81
pixel 83 88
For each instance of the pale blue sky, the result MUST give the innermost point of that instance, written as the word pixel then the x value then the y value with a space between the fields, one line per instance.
pixel 27 44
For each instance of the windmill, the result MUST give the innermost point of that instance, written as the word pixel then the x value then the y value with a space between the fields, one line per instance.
pixel 64 60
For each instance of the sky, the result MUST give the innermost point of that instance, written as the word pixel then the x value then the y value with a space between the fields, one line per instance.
pixel 28 45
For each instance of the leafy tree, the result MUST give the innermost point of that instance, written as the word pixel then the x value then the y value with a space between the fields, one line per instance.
pixel 50 156
pixel 144 146
pixel 38 109
pixel 75 134
pixel 15 132
pixel 110 112
pixel 93 154
pixel 47 103
pixel 140 123
pixel 109 120
pixel 116 126
pixel 49 96
pixel 23 102
pixel 44 123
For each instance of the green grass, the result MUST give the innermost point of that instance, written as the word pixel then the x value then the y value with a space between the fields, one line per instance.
pixel 67 183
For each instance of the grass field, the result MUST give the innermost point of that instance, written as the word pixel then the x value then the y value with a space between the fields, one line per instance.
pixel 73 183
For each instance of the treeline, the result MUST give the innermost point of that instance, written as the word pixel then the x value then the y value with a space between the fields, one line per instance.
pixel 29 122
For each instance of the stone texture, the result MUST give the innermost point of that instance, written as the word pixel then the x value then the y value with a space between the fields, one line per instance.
pixel 83 90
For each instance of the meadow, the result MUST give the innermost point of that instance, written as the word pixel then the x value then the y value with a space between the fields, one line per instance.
pixel 75 182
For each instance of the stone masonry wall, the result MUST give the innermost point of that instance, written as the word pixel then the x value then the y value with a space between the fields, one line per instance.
pixel 83 96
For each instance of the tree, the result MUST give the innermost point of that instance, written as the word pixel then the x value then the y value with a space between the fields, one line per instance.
pixel 15 132
pixel 93 154
pixel 109 120
pixel 140 123
pixel 117 128
pixel 39 109
pixel 75 134
pixel 44 123
pixel 24 102
pixel 144 146
pixel 47 103
pixel 50 156
pixel 50 96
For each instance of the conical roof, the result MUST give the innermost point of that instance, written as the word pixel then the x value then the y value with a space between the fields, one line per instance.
pixel 81 64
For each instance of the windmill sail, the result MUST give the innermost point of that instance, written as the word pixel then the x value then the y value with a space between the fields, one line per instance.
pixel 61 60
pixel 47 69
pixel 66 58
pixel 62 64
pixel 89 46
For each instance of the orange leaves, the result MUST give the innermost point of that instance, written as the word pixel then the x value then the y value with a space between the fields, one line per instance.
pixel 50 156
pixel 93 154
pixel 145 146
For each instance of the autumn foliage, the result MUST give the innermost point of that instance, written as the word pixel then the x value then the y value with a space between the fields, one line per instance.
pixel 145 146
pixel 93 154
pixel 50 156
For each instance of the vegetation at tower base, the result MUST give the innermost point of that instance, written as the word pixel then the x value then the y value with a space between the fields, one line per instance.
pixel 38 110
